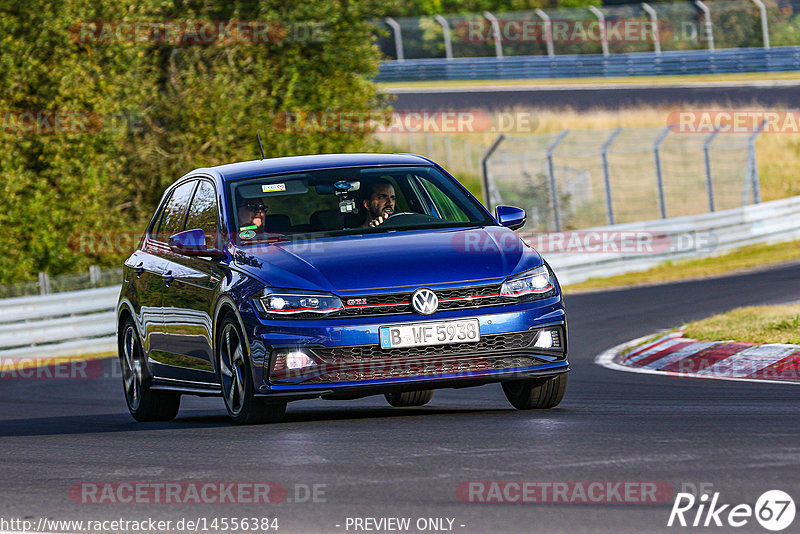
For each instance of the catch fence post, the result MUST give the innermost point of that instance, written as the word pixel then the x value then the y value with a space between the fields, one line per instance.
pixel 44 283
pixel 709 183
pixel 552 172
pixel 709 25
pixel 656 32
pixel 659 178
pixel 487 201
pixel 601 20
pixel 606 174
pixel 448 46
pixel 398 38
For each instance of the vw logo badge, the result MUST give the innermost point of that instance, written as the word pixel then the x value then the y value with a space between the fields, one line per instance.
pixel 424 301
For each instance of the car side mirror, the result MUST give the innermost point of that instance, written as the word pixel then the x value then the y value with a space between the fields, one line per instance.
pixel 192 243
pixel 511 217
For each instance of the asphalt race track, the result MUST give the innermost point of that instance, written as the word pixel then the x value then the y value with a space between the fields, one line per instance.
pixel 377 461
pixel 611 96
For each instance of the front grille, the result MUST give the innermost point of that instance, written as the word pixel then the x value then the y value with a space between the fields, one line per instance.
pixel 400 303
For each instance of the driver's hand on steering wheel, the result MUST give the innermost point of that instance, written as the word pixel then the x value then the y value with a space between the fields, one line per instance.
pixel 375 222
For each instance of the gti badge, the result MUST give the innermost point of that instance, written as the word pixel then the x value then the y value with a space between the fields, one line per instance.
pixel 424 301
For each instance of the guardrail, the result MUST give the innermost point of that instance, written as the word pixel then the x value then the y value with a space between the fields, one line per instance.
pixel 675 239
pixel 784 58
pixel 61 324
pixel 82 322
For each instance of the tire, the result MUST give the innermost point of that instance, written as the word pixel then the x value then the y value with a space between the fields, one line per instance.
pixel 536 393
pixel 236 380
pixel 144 403
pixel 409 398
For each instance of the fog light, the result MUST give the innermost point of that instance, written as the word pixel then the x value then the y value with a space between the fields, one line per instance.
pixel 298 360
pixel 549 339
pixel 544 340
pixel 285 360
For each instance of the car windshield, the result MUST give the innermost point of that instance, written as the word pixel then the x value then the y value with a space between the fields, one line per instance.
pixel 349 201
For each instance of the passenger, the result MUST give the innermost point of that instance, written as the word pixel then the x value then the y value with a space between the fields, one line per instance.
pixel 379 203
pixel 251 214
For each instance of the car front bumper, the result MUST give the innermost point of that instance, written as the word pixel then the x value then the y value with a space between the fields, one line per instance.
pixel 350 363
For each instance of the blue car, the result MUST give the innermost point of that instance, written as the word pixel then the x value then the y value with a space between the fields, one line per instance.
pixel 334 277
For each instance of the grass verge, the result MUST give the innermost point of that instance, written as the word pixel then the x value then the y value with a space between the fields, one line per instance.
pixel 741 259
pixel 757 324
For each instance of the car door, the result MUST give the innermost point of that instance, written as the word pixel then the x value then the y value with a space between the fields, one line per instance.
pixel 143 270
pixel 171 222
pixel 190 296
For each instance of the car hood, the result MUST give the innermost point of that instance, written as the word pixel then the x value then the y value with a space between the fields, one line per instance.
pixel 386 260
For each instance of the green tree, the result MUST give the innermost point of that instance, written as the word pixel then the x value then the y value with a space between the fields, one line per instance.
pixel 153 111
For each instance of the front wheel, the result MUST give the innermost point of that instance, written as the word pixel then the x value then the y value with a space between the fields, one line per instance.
pixel 237 382
pixel 536 393
pixel 144 403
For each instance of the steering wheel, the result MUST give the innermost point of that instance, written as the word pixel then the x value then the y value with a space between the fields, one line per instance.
pixel 400 213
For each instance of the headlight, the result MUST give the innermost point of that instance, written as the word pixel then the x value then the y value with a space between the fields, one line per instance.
pixel 273 302
pixel 536 283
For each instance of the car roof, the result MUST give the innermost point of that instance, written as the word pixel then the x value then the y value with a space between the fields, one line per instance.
pixel 260 167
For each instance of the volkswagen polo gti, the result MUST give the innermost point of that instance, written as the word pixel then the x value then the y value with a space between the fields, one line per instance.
pixel 334 276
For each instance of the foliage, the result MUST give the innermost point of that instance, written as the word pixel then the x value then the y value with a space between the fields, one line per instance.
pixel 156 110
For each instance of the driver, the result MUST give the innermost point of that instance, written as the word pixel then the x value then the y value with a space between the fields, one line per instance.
pixel 380 203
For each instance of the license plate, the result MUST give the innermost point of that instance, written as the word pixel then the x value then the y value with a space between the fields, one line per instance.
pixel 442 333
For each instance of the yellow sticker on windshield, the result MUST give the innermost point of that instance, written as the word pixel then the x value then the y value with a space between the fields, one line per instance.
pixel 271 188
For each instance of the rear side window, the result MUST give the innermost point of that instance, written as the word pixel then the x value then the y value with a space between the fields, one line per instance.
pixel 203 211
pixel 175 211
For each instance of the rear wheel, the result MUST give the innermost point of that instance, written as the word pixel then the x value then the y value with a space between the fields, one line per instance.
pixel 237 382
pixel 143 403
pixel 409 398
pixel 536 393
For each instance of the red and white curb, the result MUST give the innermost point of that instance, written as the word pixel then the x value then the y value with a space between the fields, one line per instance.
pixel 675 355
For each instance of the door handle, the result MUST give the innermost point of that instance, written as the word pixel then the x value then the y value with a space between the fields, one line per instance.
pixel 139 269
pixel 168 278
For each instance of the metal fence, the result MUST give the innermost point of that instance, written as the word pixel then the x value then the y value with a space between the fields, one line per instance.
pixel 608 30
pixel 582 179
pixel 459 155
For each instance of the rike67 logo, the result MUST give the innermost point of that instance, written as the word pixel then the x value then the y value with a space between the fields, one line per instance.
pixel 774 510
